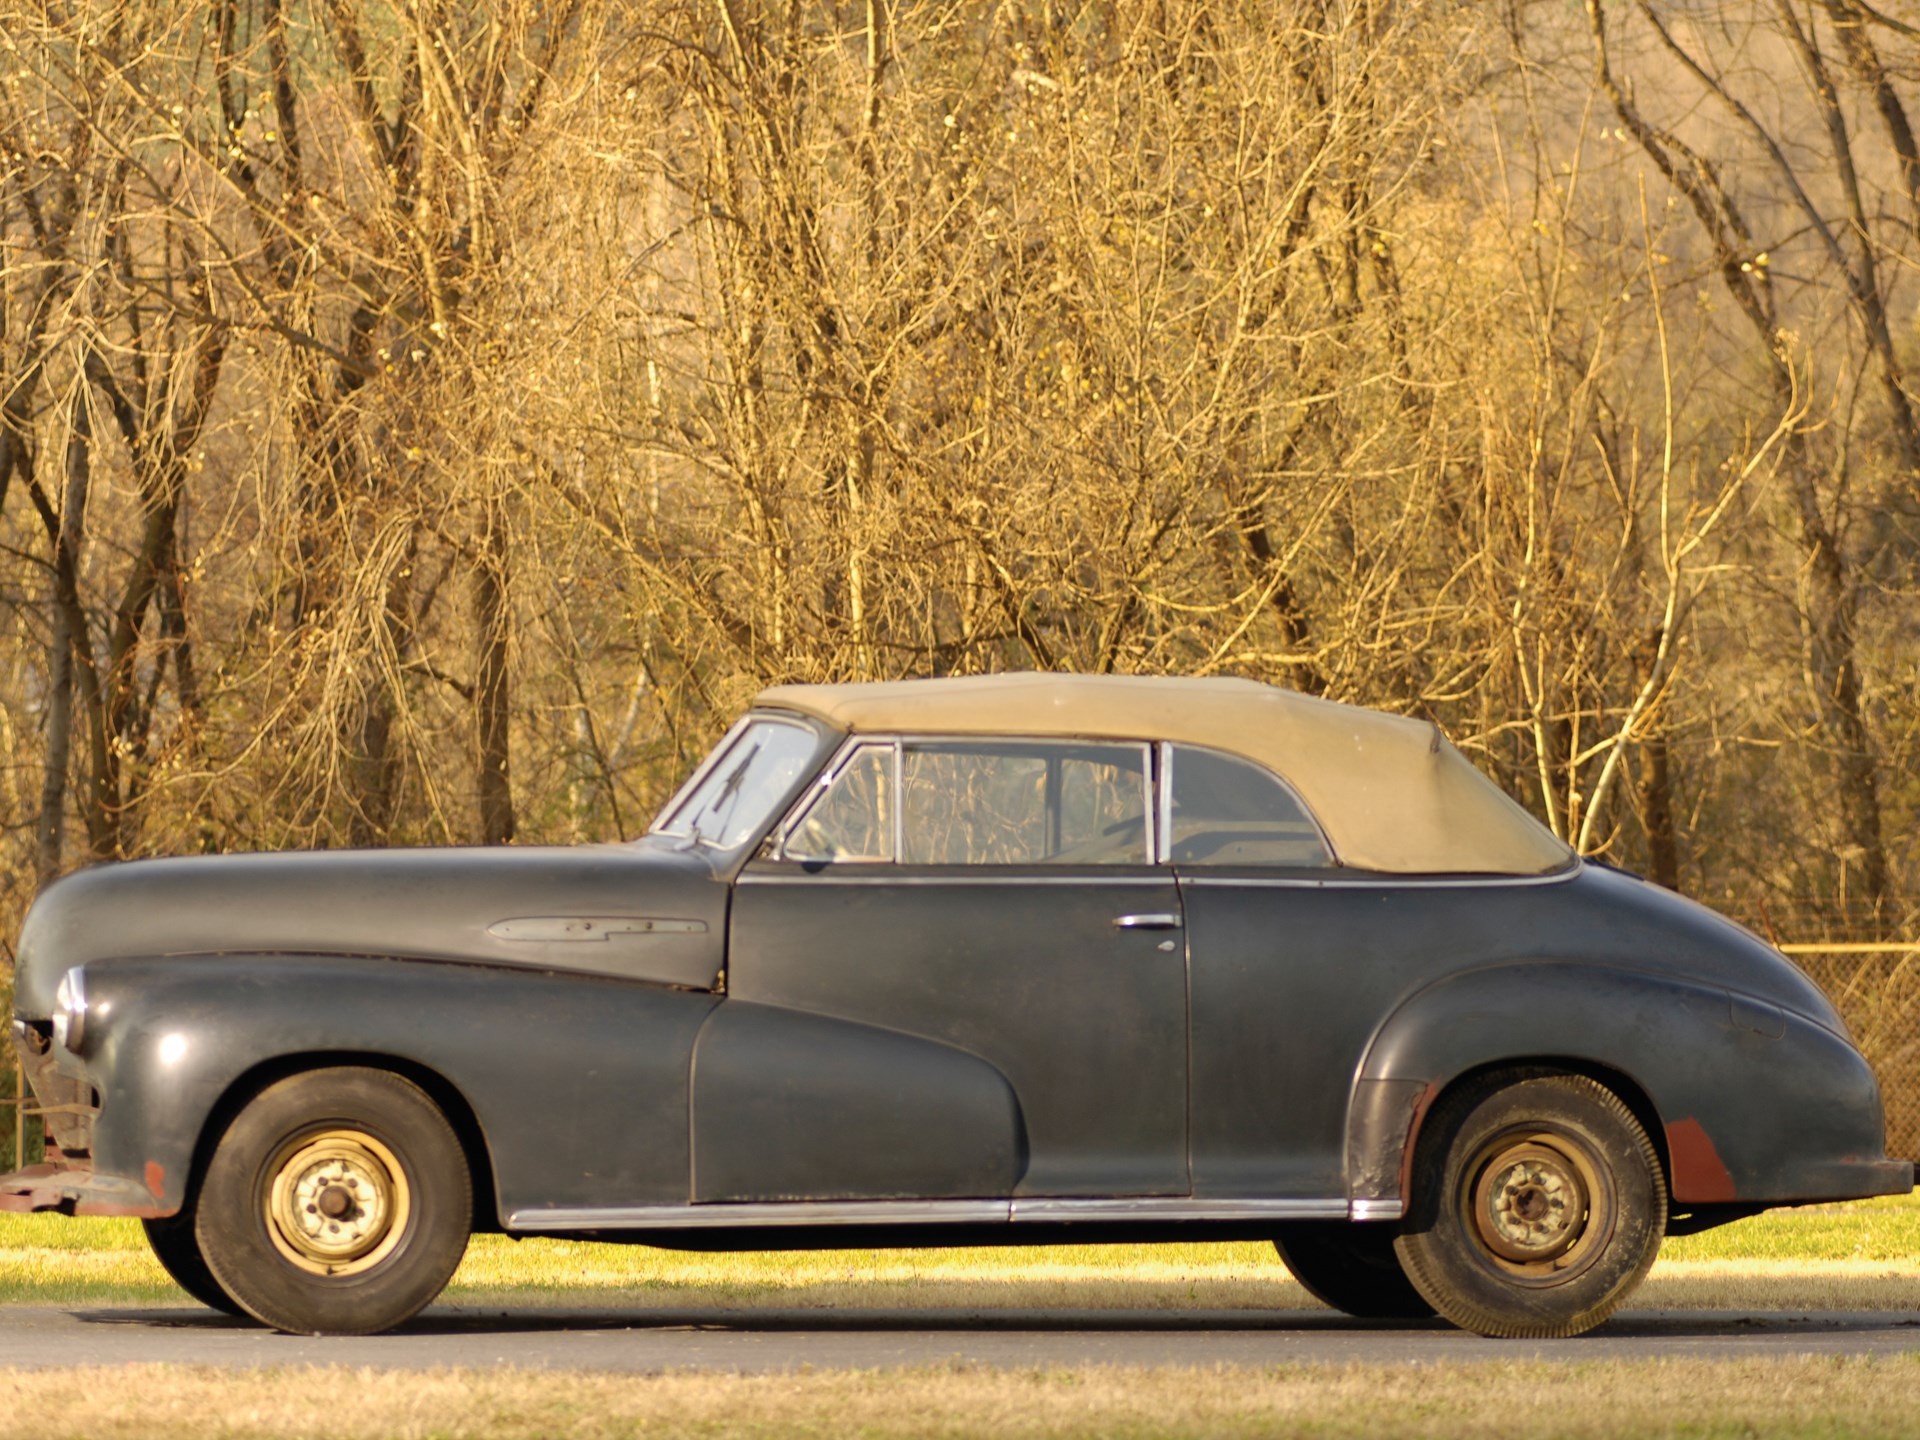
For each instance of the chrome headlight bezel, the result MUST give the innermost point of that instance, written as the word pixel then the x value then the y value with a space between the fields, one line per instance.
pixel 70 1011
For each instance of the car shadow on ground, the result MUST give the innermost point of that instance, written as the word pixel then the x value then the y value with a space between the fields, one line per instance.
pixel 474 1320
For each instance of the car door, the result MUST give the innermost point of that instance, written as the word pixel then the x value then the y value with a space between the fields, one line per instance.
pixel 1294 963
pixel 991 902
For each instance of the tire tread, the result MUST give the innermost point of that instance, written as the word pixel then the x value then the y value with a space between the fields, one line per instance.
pixel 1423 1258
pixel 232 1235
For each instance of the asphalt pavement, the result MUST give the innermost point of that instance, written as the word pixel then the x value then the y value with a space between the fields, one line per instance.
pixel 762 1341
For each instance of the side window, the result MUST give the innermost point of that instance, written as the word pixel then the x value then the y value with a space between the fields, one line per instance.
pixel 853 820
pixel 1228 811
pixel 1023 803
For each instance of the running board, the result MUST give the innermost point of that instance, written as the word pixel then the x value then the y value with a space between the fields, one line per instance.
pixel 728 1215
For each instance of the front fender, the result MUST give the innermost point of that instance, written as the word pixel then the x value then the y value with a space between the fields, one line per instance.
pixel 579 1086
pixel 1751 1103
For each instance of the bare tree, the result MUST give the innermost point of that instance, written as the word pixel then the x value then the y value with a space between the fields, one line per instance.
pixel 430 422
pixel 1827 204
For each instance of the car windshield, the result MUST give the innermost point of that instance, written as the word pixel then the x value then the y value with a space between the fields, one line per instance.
pixel 736 793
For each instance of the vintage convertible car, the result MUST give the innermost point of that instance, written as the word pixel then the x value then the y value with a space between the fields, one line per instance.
pixel 1001 959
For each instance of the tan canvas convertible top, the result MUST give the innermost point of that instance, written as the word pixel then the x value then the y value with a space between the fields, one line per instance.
pixel 1391 793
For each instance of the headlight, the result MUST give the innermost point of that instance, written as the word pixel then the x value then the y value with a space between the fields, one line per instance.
pixel 70 1010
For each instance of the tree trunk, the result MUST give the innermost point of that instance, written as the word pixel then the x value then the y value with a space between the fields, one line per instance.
pixel 492 692
pixel 51 831
pixel 374 773
pixel 1655 796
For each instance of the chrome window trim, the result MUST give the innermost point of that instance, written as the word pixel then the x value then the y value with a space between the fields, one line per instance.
pixel 1150 801
pixel 1163 818
pixel 1373 880
pixel 764 1214
pixel 899 802
pixel 869 875
pixel 816 792
pixel 850 747
pixel 904 742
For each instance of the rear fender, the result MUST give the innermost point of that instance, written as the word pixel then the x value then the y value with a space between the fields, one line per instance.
pixel 1747 1102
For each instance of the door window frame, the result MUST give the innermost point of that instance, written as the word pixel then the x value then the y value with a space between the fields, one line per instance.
pixel 1165 776
pixel 1159 762
pixel 815 795
pixel 1155 796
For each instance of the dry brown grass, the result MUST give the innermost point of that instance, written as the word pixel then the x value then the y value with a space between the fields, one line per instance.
pixel 1214 1277
pixel 1780 1285
pixel 1799 1396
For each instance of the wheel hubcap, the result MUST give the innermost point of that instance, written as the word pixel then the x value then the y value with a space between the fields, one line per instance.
pixel 1531 1204
pixel 338 1202
pixel 1538 1206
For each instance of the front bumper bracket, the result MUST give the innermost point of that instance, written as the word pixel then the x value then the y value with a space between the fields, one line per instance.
pixel 72 1190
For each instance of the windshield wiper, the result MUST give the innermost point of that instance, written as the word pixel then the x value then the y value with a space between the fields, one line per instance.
pixel 729 792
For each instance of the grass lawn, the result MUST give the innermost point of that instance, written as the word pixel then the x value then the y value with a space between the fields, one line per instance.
pixel 1777 1397
pixel 1864 1256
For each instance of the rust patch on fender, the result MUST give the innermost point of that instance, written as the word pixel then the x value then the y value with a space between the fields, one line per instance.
pixel 156 1177
pixel 1699 1174
pixel 1419 1117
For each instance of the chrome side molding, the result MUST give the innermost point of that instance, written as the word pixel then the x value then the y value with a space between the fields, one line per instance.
pixel 760 1214
pixel 753 1214
pixel 1184 1207
pixel 1390 1208
pixel 550 928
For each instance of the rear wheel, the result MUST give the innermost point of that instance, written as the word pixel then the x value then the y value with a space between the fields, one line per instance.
pixel 337 1203
pixel 178 1252
pixel 1351 1267
pixel 1539 1205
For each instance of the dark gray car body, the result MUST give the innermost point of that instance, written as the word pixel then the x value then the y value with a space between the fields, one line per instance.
pixel 652 1041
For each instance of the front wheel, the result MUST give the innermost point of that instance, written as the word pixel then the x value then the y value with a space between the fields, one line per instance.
pixel 1351 1267
pixel 1539 1204
pixel 337 1203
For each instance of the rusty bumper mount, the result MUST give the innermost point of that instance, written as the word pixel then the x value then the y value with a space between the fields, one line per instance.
pixel 70 1189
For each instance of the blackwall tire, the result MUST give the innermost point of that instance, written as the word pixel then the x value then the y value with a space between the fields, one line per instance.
pixel 337 1203
pixel 178 1252
pixel 1351 1267
pixel 1538 1206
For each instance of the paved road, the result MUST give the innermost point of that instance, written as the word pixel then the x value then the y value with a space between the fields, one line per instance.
pixel 775 1340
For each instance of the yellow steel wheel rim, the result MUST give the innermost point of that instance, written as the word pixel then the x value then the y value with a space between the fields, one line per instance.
pixel 1538 1207
pixel 338 1202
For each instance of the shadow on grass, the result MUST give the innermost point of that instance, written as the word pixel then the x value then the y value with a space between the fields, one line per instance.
pixel 452 1321
pixel 445 1321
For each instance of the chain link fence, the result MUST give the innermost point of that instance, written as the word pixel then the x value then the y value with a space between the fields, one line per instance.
pixel 1875 984
pixel 20 1138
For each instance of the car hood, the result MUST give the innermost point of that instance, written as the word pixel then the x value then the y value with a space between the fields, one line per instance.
pixel 641 911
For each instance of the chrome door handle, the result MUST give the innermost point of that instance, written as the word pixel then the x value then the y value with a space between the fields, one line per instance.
pixel 1158 920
